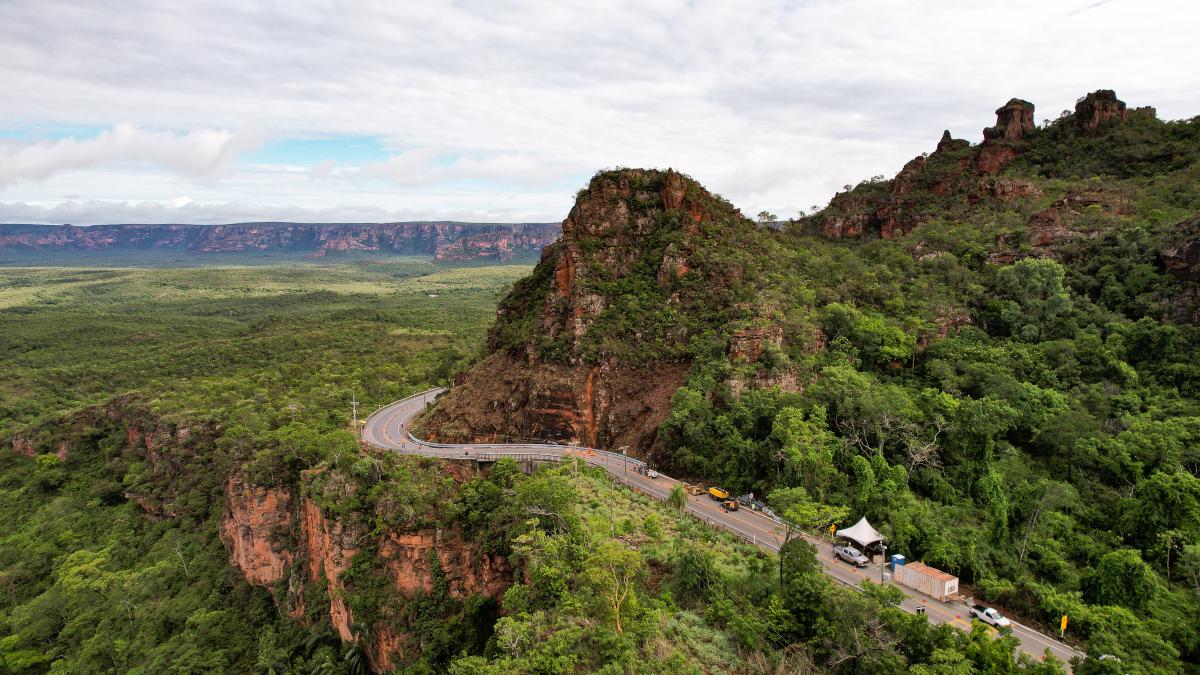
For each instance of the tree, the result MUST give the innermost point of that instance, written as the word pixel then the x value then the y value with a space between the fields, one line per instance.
pixel 1162 502
pixel 1037 304
pixel 1190 562
pixel 1122 578
pixel 766 217
pixel 798 513
pixel 273 658
pixel 806 447
pixel 611 573
pixel 677 498
pixel 1053 495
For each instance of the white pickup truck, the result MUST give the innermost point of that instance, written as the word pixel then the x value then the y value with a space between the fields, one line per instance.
pixel 989 616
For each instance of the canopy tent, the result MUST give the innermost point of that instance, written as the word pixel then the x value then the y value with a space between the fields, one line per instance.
pixel 861 533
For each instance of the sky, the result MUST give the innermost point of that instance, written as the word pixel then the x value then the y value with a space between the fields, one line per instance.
pixel 499 111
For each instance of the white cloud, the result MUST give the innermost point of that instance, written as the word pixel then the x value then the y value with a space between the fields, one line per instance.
pixel 427 167
pixel 773 103
pixel 201 154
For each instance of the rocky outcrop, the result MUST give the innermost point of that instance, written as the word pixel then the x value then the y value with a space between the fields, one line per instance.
pixel 503 400
pixel 542 379
pixel 268 530
pixel 1059 222
pixel 889 208
pixel 849 215
pixel 1097 109
pixel 447 241
pixel 23 446
pixel 749 343
pixel 256 523
pixel 1012 189
pixel 1002 143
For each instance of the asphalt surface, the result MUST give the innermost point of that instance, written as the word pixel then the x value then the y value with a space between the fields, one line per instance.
pixel 388 427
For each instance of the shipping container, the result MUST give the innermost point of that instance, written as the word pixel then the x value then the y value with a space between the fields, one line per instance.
pixel 921 577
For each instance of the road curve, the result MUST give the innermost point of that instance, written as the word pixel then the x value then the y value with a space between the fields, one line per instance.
pixel 388 427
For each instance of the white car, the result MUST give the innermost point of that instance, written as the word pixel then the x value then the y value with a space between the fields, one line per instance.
pixel 989 616
pixel 651 474
pixel 850 555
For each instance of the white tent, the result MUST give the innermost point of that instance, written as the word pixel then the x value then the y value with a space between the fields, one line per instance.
pixel 861 533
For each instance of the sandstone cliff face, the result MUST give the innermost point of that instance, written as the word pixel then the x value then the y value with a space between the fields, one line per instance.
pixel 1098 109
pixel 504 399
pixel 269 530
pixel 256 520
pixel 1002 143
pixel 629 224
pixel 442 240
pixel 888 209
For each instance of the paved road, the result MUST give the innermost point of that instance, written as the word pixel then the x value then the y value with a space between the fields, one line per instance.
pixel 388 428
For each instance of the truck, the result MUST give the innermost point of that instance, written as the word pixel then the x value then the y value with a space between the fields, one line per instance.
pixel 850 555
pixel 718 494
pixel 989 616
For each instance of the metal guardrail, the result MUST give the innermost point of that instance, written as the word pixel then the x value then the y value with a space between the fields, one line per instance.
pixel 763 542
pixel 546 445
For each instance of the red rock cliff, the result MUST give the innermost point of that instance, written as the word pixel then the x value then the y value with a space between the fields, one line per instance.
pixel 269 529
pixel 519 392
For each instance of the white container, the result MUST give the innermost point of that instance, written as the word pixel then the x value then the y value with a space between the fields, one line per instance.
pixel 928 580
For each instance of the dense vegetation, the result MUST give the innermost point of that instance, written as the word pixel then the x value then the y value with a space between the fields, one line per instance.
pixel 1032 427
pixel 112 561
pixel 1022 411
pixel 258 364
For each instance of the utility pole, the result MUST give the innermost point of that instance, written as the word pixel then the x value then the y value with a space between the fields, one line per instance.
pixel 882 561
pixel 354 412
pixel 625 457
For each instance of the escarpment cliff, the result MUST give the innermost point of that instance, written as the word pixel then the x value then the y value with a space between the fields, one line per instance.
pixel 447 241
pixel 590 348
pixel 323 565
pixel 370 566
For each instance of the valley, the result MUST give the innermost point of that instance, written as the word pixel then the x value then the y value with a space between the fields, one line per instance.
pixel 992 357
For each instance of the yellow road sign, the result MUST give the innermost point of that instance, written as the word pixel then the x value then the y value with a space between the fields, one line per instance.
pixel 1063 625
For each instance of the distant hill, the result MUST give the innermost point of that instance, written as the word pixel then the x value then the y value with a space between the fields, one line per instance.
pixel 442 240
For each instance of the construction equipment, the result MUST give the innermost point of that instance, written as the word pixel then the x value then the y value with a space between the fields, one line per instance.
pixel 730 505
pixel 695 490
pixel 718 494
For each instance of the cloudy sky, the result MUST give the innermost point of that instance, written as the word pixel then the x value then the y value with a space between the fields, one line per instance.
pixel 153 111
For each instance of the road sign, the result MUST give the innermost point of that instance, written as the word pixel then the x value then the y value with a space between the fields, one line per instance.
pixel 1062 627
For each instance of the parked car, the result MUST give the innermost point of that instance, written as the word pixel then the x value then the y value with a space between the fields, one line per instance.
pixel 651 474
pixel 851 555
pixel 989 616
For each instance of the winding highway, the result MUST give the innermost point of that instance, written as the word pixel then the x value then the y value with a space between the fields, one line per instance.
pixel 388 427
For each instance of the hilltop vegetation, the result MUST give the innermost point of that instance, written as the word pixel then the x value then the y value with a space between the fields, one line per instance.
pixel 994 357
